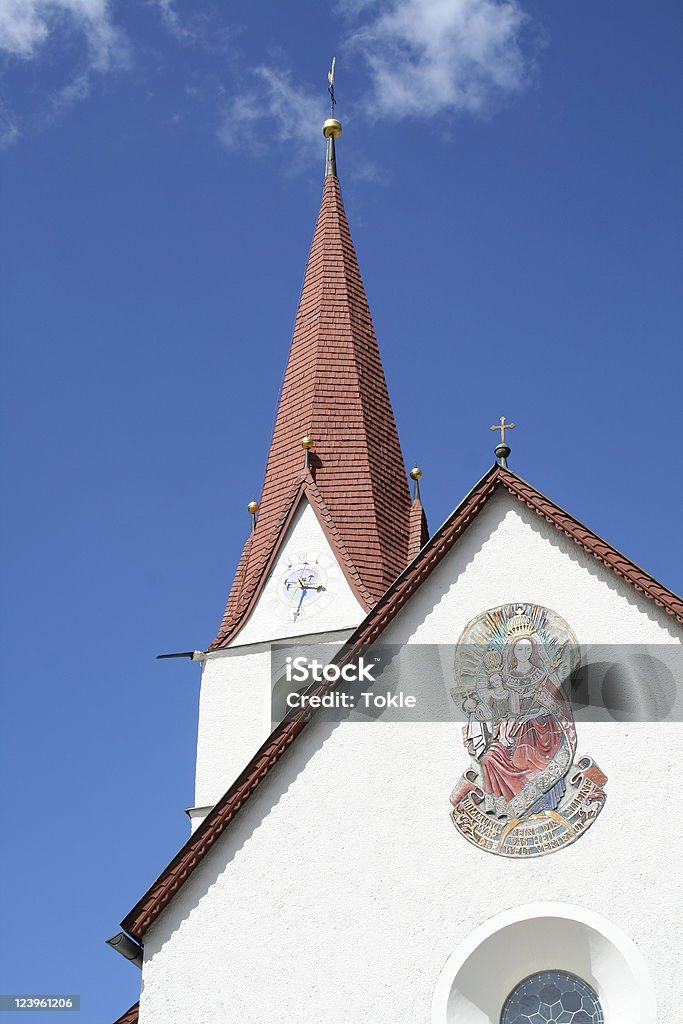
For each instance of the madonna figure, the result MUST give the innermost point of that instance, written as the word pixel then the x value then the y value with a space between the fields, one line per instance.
pixel 531 749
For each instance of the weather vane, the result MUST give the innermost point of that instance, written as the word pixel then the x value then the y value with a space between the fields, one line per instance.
pixel 331 127
pixel 330 85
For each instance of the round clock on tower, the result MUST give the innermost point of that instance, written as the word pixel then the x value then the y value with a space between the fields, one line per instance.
pixel 302 584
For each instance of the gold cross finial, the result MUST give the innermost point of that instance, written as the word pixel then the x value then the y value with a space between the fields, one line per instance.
pixel 502 426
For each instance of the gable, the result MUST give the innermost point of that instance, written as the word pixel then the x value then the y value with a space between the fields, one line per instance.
pixel 654 602
pixel 271 618
pixel 511 555
pixel 459 522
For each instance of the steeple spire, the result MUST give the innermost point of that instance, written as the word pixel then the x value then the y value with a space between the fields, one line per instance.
pixel 334 392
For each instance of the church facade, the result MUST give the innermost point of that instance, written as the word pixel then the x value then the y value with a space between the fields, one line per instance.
pixel 485 846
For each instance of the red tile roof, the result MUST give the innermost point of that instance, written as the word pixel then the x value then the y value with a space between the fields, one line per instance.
pixel 333 390
pixel 419 531
pixel 130 1016
pixel 282 737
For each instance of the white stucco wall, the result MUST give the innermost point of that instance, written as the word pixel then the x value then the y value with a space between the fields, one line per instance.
pixel 235 714
pixel 342 888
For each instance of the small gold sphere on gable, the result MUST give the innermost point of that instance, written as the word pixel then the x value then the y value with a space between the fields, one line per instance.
pixel 253 507
pixel 416 473
pixel 307 442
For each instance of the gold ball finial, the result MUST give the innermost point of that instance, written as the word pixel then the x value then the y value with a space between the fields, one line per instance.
pixel 416 473
pixel 332 128
pixel 253 507
pixel 307 442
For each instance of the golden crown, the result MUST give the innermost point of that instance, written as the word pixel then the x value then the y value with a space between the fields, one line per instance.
pixel 520 624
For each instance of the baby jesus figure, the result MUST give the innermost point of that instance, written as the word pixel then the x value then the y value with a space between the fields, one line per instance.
pixel 498 700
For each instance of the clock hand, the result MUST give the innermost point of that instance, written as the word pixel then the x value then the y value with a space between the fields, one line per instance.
pixel 301 601
pixel 310 586
pixel 293 595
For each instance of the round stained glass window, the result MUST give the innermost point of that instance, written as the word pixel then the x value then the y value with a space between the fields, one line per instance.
pixel 552 997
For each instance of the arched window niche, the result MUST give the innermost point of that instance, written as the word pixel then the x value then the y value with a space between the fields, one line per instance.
pixel 485 969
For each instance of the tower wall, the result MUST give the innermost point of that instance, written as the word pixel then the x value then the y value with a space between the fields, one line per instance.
pixel 235 696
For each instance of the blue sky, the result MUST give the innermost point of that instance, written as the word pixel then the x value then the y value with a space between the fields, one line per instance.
pixel 511 174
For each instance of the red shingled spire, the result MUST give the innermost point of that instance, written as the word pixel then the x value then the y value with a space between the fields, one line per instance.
pixel 334 390
pixel 419 531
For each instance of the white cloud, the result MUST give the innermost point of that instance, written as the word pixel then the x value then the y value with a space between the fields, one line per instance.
pixel 9 131
pixel 429 56
pixel 172 22
pixel 22 28
pixel 423 58
pixel 414 58
pixel 274 109
pixel 350 8
pixel 26 25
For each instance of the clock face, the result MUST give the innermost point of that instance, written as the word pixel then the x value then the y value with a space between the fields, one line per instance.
pixel 302 584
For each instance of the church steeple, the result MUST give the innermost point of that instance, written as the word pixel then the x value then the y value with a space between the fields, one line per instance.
pixel 334 392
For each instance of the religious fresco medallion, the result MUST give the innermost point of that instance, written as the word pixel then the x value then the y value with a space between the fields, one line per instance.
pixel 524 795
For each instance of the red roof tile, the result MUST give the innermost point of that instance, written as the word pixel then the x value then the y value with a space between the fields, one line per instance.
pixel 130 1016
pixel 334 390
pixel 282 737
